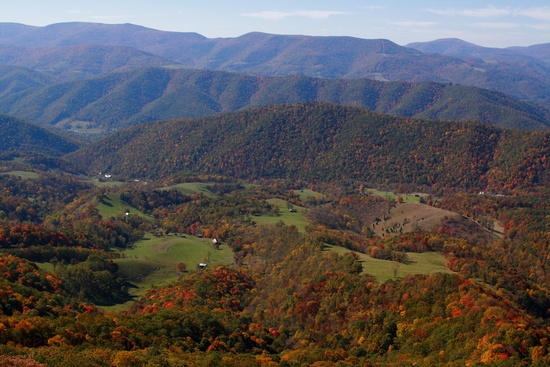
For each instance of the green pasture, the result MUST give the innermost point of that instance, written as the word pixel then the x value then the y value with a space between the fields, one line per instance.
pixel 153 260
pixel 22 174
pixel 110 205
pixel 191 188
pixel 108 183
pixel 417 263
pixel 297 218
pixel 307 193
pixel 407 198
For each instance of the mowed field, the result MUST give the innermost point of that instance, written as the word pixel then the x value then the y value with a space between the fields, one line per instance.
pixel 190 188
pixel 110 205
pixel 296 218
pixel 154 260
pixel 417 263
pixel 410 216
pixel 22 174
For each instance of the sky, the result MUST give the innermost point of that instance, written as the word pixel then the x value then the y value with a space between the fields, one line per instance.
pixel 496 23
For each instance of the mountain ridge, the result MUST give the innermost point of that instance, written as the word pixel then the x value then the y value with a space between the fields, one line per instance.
pixel 307 141
pixel 278 55
pixel 121 99
pixel 24 136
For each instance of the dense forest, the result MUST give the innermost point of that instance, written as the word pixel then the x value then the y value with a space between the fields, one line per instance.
pixel 285 298
pixel 23 136
pixel 64 50
pixel 273 221
pixel 308 141
pixel 121 99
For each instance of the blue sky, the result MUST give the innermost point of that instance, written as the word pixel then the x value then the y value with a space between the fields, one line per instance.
pixel 497 23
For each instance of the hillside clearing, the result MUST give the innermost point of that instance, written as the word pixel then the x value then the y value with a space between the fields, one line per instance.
pixel 22 174
pixel 383 270
pixel 153 260
pixel 111 205
pixel 191 188
pixel 408 217
pixel 295 218
pixel 407 198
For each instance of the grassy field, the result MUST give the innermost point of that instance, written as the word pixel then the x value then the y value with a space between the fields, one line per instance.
pixel 410 216
pixel 424 263
pixel 111 206
pixel 108 183
pixel 307 193
pixel 297 218
pixel 153 260
pixel 22 174
pixel 407 198
pixel 190 188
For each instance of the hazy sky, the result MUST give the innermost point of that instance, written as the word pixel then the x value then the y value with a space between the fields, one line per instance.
pixel 497 23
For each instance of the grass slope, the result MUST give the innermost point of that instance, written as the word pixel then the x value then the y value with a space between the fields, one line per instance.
pixel 297 218
pixel 22 174
pixel 191 188
pixel 153 260
pixel 110 205
pixel 383 270
pixel 411 215
pixel 407 198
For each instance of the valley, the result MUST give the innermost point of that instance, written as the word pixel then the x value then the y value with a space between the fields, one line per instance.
pixel 168 199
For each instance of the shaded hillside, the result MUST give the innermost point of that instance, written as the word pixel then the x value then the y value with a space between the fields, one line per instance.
pixel 457 47
pixel 278 55
pixel 541 51
pixel 81 61
pixel 23 136
pixel 14 79
pixel 118 100
pixel 324 142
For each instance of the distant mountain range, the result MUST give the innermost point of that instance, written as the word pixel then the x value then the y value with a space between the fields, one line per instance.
pixel 459 48
pixel 323 142
pixel 520 72
pixel 117 100
pixel 23 136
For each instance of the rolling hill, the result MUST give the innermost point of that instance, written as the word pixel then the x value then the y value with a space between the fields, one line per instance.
pixel 459 48
pixel 324 142
pixel 80 61
pixel 23 136
pixel 281 55
pixel 14 79
pixel 118 100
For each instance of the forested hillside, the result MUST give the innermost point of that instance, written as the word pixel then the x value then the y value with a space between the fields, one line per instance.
pixel 80 61
pixel 283 55
pixel 118 100
pixel 286 298
pixel 279 220
pixel 23 136
pixel 326 142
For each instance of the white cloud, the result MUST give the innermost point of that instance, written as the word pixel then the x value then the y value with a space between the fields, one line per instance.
pixel 279 15
pixel 319 14
pixel 540 27
pixel 415 24
pixel 488 12
pixel 496 25
pixel 78 12
pixel 542 13
pixel 269 15
pixel 108 17
pixel 372 7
